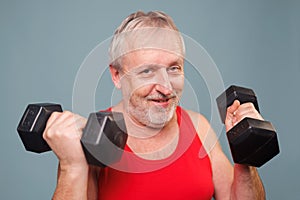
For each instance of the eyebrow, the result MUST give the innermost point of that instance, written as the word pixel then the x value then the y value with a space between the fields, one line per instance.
pixel 179 61
pixel 146 66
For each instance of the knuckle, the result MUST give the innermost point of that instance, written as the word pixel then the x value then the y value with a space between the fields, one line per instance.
pixel 55 114
pixel 68 113
pixel 52 132
pixel 251 105
pixel 47 134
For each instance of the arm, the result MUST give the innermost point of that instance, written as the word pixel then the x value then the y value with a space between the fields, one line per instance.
pixel 66 187
pixel 71 183
pixel 76 180
pixel 230 182
pixel 234 182
pixel 246 181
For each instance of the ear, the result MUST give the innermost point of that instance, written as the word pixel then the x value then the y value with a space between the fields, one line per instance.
pixel 115 76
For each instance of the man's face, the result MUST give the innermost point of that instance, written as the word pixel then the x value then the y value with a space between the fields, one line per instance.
pixel 152 82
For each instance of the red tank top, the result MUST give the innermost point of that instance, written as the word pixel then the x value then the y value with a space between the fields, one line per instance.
pixel 183 175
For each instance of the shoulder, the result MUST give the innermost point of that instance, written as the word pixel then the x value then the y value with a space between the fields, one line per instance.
pixel 221 167
pixel 205 132
pixel 198 119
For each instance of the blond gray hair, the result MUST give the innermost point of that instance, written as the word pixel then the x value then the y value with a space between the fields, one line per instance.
pixel 139 21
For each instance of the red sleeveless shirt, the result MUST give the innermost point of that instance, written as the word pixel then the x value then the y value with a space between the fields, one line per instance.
pixel 182 176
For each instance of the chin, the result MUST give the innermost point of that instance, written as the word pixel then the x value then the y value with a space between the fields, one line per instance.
pixel 159 118
pixel 152 116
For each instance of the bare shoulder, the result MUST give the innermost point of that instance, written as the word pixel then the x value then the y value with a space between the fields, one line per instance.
pixel 207 136
pixel 200 123
pixel 221 167
pixel 204 131
pixel 197 117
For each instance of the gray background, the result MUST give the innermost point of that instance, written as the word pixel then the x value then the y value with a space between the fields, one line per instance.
pixel 43 43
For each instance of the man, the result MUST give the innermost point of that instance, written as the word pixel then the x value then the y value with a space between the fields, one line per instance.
pixel 161 159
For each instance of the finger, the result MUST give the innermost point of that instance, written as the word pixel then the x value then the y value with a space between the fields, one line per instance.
pixel 58 119
pixel 244 108
pixel 231 119
pixel 65 117
pixel 247 110
pixel 248 113
pixel 79 122
pixel 231 111
pixel 72 131
pixel 53 117
pixel 69 119
pixel 235 105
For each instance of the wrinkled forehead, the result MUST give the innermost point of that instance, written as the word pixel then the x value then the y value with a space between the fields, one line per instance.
pixel 151 57
pixel 151 38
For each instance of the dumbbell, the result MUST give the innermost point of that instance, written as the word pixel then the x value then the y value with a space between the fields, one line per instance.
pixel 103 138
pixel 252 142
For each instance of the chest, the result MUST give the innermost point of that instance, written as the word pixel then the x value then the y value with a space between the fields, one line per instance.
pixel 160 145
pixel 184 177
pixel 153 149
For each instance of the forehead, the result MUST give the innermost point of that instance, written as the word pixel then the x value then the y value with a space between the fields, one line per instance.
pixel 151 56
pixel 152 38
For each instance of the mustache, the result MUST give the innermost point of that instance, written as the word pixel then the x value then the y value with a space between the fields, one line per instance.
pixel 161 96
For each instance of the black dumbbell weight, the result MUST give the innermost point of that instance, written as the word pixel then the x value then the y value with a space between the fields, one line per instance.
pixel 103 138
pixel 252 142
pixel 32 125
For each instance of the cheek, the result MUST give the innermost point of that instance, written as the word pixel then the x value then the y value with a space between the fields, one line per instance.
pixel 132 89
pixel 178 84
pixel 142 91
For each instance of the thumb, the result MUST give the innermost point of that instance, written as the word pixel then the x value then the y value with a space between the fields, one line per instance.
pixel 231 109
pixel 231 120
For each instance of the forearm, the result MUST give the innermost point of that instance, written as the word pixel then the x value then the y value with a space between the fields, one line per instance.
pixel 247 184
pixel 71 183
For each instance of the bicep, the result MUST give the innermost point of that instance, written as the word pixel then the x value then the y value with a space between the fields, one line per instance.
pixel 222 173
pixel 221 167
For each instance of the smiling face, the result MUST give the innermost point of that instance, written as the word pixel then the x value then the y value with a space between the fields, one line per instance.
pixel 152 81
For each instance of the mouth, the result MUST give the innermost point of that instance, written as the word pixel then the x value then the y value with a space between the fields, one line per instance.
pixel 160 100
pixel 163 102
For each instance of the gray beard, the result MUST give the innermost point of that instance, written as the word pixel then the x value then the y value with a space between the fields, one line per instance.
pixel 153 117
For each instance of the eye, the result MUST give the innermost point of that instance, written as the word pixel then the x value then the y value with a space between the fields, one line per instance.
pixel 176 69
pixel 146 72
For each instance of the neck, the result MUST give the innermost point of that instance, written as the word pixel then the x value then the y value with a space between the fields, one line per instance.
pixel 150 143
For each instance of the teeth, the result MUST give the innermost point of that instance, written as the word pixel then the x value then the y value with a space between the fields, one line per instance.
pixel 160 101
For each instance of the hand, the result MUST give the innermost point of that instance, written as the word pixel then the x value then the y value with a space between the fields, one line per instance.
pixel 237 112
pixel 63 133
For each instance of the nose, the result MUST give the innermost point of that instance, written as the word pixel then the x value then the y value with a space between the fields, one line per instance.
pixel 163 83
